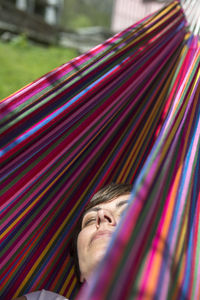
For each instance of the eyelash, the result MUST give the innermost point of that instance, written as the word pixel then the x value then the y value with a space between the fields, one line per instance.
pixel 88 221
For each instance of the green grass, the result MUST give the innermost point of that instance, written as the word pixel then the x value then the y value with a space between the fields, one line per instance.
pixel 21 63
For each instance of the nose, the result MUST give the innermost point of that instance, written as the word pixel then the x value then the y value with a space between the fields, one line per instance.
pixel 105 216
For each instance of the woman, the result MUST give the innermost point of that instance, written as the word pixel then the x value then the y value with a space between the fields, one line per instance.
pixel 92 234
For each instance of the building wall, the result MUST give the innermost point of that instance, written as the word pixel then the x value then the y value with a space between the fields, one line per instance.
pixel 50 10
pixel 128 12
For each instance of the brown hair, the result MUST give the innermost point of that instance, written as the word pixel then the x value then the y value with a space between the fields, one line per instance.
pixel 105 194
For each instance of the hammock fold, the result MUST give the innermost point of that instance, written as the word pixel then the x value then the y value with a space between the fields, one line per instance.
pixel 126 111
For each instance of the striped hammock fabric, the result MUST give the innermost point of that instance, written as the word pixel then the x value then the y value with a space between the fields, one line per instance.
pixel 126 111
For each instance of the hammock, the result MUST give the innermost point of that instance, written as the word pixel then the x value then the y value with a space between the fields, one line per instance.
pixel 126 111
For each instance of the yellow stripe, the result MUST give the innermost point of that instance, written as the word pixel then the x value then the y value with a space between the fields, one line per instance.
pixel 67 281
pixel 71 288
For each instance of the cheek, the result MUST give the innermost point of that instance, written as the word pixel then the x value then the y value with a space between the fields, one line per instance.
pixel 80 242
pixel 83 241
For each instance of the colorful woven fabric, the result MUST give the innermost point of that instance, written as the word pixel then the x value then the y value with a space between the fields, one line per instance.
pixel 126 111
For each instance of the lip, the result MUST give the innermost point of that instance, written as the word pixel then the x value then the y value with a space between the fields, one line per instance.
pixel 101 234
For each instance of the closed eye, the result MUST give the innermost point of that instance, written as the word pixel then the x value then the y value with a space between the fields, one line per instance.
pixel 89 221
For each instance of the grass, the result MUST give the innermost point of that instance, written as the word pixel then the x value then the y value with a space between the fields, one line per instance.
pixel 22 63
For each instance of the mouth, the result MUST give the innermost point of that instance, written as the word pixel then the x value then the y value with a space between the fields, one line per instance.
pixel 101 235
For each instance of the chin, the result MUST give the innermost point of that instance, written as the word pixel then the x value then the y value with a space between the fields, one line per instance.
pixel 99 254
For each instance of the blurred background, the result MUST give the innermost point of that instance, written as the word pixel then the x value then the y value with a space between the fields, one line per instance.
pixel 37 36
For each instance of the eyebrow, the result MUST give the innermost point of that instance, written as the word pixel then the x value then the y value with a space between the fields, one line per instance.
pixel 96 208
pixel 121 203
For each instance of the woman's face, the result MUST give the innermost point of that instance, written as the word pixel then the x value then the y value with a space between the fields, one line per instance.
pixel 98 224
